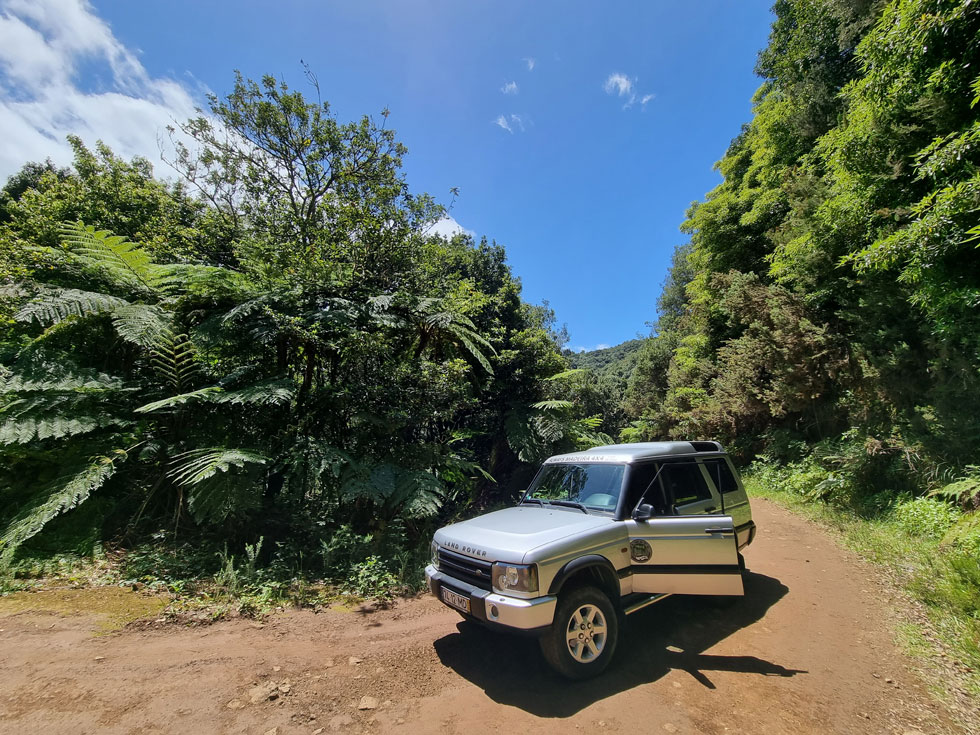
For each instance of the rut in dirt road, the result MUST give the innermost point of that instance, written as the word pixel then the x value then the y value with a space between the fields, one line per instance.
pixel 809 649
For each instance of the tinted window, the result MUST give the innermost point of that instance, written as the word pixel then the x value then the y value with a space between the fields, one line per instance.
pixel 685 483
pixel 721 475
pixel 641 476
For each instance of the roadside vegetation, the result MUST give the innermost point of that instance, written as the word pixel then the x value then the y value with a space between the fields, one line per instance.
pixel 266 375
pixel 925 546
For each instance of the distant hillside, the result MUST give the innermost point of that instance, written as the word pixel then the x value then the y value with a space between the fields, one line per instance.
pixel 615 361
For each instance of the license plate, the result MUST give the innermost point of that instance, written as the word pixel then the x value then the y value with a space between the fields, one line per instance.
pixel 460 602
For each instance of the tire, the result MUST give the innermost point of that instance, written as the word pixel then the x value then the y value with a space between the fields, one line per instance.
pixel 589 652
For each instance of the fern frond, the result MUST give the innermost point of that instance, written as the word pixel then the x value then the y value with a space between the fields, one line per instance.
pixel 62 496
pixel 394 490
pixel 60 383
pixel 195 395
pixel 124 260
pixel 26 430
pixel 552 405
pixel 221 496
pixel 175 361
pixel 56 306
pixel 564 374
pixel 475 351
pixel 262 394
pixel 191 468
pixel 143 325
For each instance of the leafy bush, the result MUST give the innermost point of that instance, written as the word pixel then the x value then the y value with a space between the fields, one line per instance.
pixel 964 535
pixel 372 578
pixel 924 517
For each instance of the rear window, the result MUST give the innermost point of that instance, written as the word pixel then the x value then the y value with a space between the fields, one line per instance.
pixel 721 474
pixel 684 483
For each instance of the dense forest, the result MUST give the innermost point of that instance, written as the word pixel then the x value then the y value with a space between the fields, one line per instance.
pixel 273 346
pixel 826 304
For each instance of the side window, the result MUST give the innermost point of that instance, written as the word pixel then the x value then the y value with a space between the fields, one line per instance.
pixel 641 476
pixel 685 483
pixel 721 475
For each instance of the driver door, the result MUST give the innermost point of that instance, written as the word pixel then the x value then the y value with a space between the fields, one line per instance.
pixel 691 549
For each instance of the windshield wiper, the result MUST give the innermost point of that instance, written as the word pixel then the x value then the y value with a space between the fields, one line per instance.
pixel 569 504
pixel 532 500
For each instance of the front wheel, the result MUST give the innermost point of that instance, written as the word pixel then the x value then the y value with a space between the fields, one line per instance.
pixel 582 639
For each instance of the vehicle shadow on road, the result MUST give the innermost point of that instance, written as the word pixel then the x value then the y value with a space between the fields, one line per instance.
pixel 672 634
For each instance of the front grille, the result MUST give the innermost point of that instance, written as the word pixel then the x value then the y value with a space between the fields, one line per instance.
pixel 465 569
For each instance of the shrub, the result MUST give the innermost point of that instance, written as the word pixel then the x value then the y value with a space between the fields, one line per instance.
pixel 964 535
pixel 372 578
pixel 924 517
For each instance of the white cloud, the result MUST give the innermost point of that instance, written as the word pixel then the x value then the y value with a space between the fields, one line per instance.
pixel 618 84
pixel 530 61
pixel 509 88
pixel 43 44
pixel 581 348
pixel 448 227
pixel 512 122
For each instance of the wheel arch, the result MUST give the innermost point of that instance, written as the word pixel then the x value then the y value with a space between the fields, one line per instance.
pixel 593 570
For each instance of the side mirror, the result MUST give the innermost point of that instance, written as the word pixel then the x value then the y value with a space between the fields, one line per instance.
pixel 643 512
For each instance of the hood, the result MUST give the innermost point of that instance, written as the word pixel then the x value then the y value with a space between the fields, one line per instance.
pixel 507 535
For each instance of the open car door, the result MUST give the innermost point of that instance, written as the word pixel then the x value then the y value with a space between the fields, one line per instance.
pixel 689 555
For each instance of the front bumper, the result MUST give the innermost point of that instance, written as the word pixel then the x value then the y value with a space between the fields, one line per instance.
pixel 530 616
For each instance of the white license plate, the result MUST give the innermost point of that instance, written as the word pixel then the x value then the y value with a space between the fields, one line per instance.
pixel 460 602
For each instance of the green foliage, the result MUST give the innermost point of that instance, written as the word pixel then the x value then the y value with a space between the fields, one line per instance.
pixel 289 353
pixel 63 495
pixel 925 517
pixel 371 578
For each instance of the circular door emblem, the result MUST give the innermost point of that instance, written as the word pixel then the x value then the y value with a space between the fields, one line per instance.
pixel 640 550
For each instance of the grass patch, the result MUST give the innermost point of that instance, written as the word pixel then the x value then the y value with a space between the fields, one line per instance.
pixel 906 541
pixel 116 606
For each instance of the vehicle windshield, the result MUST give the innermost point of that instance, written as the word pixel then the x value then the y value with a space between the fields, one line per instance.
pixel 592 486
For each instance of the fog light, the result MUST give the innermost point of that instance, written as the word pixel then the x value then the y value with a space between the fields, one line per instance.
pixel 493 611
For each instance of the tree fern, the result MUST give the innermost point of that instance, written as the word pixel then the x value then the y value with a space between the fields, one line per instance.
pixel 198 465
pixel 396 491
pixel 56 405
pixel 54 500
pixel 215 490
pixel 54 306
pixel 64 382
pixel 553 405
pixel 124 261
pixel 143 325
pixel 201 394
pixel 175 361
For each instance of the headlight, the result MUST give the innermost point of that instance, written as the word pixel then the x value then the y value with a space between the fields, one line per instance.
pixel 434 554
pixel 515 577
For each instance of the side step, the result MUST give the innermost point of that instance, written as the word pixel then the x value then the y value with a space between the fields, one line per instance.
pixel 645 602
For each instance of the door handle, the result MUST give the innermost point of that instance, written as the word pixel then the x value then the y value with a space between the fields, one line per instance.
pixel 717 530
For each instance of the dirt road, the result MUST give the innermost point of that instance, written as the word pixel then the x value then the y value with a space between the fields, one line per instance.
pixel 808 650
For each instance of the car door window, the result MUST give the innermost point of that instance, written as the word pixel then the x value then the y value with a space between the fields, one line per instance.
pixel 641 476
pixel 684 484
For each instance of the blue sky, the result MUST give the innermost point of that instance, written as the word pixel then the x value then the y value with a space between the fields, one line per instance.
pixel 577 133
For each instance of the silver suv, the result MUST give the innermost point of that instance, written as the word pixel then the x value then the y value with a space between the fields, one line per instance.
pixel 598 535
